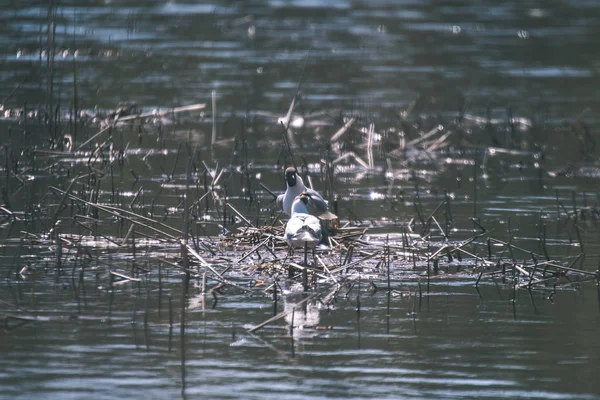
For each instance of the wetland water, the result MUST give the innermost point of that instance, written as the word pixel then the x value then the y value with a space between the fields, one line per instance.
pixel 508 93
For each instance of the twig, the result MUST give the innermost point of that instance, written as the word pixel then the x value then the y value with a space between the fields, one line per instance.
pixel 125 277
pixel 283 313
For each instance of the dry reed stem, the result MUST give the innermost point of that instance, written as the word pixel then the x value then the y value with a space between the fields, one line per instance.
pixel 240 215
pixel 283 313
pixel 162 113
pixel 93 137
pixel 343 129
pixel 120 213
pixel 124 277
pixel 424 137
pixel 220 277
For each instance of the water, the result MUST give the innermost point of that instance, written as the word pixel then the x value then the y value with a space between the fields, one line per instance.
pixel 459 344
pixel 405 66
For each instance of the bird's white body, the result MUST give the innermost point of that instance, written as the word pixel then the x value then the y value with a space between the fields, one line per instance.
pixel 316 205
pixel 302 229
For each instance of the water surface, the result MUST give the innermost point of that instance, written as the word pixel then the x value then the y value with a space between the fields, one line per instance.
pixel 513 86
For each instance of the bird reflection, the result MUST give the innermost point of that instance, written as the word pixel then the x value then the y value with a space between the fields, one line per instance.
pixel 303 320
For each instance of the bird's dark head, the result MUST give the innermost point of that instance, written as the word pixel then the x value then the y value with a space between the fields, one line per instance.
pixel 290 176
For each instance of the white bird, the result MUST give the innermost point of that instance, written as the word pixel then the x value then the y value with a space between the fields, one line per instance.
pixel 303 229
pixel 315 205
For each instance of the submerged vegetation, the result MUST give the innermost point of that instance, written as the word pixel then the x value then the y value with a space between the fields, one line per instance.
pixel 80 204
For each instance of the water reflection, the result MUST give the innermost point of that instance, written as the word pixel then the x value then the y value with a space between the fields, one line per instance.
pixel 423 354
pixel 302 321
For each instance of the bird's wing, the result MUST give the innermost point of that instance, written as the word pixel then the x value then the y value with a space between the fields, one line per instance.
pixel 279 201
pixel 327 215
pixel 316 197
pixel 303 221
pixel 313 224
pixel 293 225
pixel 318 206
pixel 303 228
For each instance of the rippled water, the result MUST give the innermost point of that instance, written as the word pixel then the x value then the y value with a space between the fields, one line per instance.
pixel 403 65
pixel 457 344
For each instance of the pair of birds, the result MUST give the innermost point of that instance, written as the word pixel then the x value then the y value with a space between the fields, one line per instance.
pixel 304 206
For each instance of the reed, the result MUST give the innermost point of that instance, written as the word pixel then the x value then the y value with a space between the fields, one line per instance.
pixel 416 243
pixel 214 119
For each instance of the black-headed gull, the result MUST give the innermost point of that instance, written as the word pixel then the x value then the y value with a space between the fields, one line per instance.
pixel 315 204
pixel 302 230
